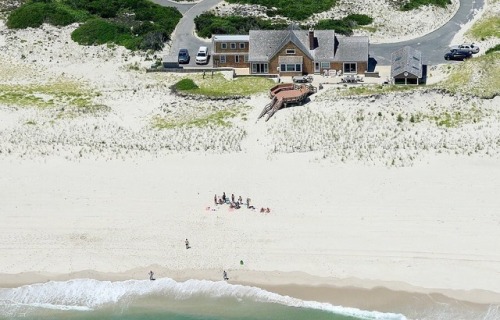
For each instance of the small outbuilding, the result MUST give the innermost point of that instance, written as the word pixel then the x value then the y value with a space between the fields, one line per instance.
pixel 406 66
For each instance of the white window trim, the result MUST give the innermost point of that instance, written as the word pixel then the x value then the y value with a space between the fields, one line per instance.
pixel 223 59
pixel 242 45
pixel 236 59
pixel 245 58
pixel 290 51
pixel 233 45
pixel 287 64
pixel 223 45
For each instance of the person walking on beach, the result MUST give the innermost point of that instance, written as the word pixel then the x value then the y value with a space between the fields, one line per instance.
pixel 187 244
pixel 215 199
pixel 224 197
pixel 240 200
pixel 224 275
pixel 248 202
pixel 151 275
pixel 232 197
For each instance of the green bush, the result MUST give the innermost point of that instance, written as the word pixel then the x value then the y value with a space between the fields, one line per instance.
pixel 340 26
pixel 185 84
pixel 31 15
pixel 414 4
pixel 360 19
pixel 493 49
pixel 344 26
pixel 37 12
pixel 106 21
pixel 295 10
pixel 96 31
pixel 208 24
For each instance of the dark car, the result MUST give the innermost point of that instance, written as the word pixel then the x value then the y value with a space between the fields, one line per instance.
pixel 457 55
pixel 183 56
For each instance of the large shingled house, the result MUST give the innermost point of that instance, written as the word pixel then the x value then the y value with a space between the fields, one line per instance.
pixel 291 52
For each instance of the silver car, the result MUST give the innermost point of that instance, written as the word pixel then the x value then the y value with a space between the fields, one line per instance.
pixel 470 47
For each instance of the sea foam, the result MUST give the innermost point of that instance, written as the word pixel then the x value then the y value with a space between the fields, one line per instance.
pixel 90 294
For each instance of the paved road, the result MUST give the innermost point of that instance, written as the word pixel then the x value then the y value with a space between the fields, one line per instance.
pixel 432 45
pixel 184 35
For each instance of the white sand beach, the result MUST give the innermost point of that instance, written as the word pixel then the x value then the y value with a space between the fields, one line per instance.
pixel 358 198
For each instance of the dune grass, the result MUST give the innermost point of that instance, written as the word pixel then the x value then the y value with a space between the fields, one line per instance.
pixel 57 94
pixel 218 118
pixel 218 86
pixel 485 28
pixel 477 76
pixel 368 90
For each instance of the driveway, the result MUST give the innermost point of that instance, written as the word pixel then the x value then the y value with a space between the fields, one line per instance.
pixel 184 36
pixel 432 45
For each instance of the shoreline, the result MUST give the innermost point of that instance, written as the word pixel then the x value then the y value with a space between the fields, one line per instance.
pixel 366 295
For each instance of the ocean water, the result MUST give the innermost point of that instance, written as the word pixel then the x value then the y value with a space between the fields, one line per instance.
pixel 86 299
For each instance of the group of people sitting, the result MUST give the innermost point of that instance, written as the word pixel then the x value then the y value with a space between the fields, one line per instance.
pixel 236 203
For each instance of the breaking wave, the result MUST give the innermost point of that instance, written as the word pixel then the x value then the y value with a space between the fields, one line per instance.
pixel 90 294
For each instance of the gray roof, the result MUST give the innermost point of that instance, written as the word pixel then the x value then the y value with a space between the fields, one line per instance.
pixel 225 37
pixel 265 44
pixel 352 49
pixel 408 60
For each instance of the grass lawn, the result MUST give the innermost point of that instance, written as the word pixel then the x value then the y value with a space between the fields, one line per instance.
pixel 218 86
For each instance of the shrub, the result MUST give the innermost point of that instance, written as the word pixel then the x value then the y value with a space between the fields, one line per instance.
pixel 493 49
pixel 153 40
pixel 30 15
pixel 414 4
pixel 208 24
pixel 340 26
pixel 96 31
pixel 152 24
pixel 295 10
pixel 185 84
pixel 36 13
pixel 360 19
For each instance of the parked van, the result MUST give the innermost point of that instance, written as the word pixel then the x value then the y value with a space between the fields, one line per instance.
pixel 202 55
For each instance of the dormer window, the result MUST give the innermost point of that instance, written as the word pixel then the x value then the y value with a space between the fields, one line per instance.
pixel 290 51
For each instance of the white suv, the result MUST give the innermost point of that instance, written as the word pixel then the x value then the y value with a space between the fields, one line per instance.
pixel 202 55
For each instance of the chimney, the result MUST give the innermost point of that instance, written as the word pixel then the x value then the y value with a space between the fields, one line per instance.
pixel 311 39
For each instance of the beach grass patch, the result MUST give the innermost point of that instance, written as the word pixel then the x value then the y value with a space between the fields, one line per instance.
pixel 219 118
pixel 376 89
pixel 50 95
pixel 486 28
pixel 477 76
